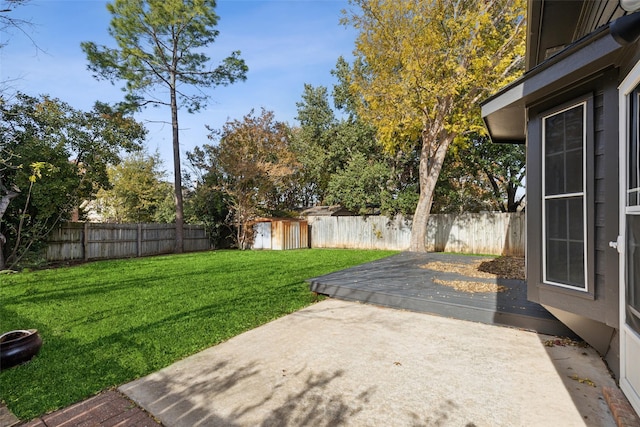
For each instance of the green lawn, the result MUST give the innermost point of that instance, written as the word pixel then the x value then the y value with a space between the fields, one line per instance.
pixel 106 323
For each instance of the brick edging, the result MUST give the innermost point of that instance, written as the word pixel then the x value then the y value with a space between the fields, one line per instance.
pixel 106 408
pixel 620 407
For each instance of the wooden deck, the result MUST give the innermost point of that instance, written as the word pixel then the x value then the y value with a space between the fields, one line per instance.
pixel 400 282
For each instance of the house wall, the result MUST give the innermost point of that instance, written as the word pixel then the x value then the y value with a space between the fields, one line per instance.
pixel 600 303
pixel 596 59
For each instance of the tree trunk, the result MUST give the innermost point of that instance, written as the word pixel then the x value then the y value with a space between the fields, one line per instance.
pixel 512 205
pixel 3 263
pixel 179 248
pixel 4 204
pixel 430 166
pixel 496 191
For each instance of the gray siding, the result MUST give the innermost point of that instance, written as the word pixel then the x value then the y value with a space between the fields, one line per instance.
pixel 600 303
pixel 595 14
pixel 599 193
pixel 610 271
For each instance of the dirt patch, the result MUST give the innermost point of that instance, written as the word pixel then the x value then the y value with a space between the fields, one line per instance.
pixel 464 269
pixel 506 267
pixel 472 287
pixel 498 268
pixel 501 268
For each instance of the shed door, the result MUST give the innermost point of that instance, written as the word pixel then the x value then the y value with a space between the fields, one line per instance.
pixel 262 235
pixel 629 242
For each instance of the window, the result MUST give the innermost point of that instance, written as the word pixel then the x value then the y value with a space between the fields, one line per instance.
pixel 564 201
pixel 632 211
pixel 633 167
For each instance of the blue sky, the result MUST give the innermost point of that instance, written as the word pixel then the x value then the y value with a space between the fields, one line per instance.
pixel 285 43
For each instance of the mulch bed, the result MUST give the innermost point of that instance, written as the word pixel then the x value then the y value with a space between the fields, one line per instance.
pixel 498 268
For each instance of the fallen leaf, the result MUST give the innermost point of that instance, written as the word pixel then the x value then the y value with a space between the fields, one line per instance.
pixel 586 381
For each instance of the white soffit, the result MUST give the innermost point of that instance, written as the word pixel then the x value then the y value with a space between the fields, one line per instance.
pixel 509 97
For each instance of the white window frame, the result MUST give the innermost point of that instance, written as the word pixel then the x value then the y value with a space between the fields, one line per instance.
pixel 636 207
pixel 582 194
pixel 629 338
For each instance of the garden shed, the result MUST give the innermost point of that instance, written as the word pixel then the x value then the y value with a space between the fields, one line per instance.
pixel 280 234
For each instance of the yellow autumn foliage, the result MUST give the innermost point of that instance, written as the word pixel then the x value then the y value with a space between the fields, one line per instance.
pixel 429 63
pixel 422 66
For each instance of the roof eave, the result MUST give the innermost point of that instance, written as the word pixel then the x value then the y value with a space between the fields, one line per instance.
pixel 504 112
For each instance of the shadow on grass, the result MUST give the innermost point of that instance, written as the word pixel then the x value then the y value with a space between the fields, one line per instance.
pixel 85 355
pixel 107 323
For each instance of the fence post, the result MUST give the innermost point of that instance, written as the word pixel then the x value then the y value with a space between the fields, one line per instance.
pixel 85 242
pixel 139 240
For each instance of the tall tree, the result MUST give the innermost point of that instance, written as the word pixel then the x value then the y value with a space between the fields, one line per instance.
pixel 461 187
pixel 399 194
pixel 52 158
pixel 481 176
pixel 256 166
pixel 206 203
pixel 503 166
pixel 325 145
pixel 422 66
pixel 312 142
pixel 359 186
pixel 337 154
pixel 137 190
pixel 160 46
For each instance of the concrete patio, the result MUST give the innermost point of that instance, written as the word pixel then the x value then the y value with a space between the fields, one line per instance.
pixel 345 363
pixel 341 362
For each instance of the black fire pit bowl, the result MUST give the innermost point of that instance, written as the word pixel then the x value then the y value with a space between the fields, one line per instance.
pixel 18 347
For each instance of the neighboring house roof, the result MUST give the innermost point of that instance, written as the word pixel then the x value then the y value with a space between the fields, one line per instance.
pixel 334 210
pixel 274 219
pixel 504 113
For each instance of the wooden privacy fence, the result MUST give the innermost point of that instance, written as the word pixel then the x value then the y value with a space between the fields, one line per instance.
pixel 483 233
pixel 75 241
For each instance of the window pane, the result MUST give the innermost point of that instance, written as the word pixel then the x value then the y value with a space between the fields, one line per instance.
pixel 574 127
pixel 556 220
pixel 632 300
pixel 574 172
pixel 575 218
pixel 564 139
pixel 633 164
pixel 576 264
pixel 557 261
pixel 554 174
pixel 633 269
pixel 554 134
pixel 633 144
